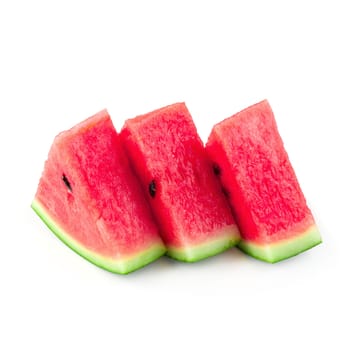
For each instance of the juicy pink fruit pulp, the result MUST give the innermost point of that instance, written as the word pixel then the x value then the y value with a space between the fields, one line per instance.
pixel 169 158
pixel 103 208
pixel 255 170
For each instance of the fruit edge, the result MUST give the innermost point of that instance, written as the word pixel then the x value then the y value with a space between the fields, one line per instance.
pixel 120 266
pixel 229 237
pixel 285 249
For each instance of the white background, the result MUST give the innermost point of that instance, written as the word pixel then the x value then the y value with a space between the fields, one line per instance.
pixel 63 61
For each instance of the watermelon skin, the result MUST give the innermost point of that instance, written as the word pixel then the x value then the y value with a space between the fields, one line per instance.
pixel 277 251
pixel 171 162
pixel 267 201
pixel 90 198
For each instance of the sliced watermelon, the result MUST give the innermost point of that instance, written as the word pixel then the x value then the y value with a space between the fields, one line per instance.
pixel 90 198
pixel 269 206
pixel 170 159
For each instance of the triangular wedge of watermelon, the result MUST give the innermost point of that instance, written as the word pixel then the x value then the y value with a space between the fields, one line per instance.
pixel 171 162
pixel 269 206
pixel 90 198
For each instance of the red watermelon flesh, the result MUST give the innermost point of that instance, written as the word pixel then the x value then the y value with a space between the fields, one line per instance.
pixel 171 162
pixel 90 198
pixel 269 206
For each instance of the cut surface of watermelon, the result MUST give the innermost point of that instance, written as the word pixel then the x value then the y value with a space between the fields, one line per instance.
pixel 267 201
pixel 90 198
pixel 171 162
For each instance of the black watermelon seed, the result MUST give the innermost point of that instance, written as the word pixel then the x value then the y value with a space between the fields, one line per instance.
pixel 67 183
pixel 217 170
pixel 225 192
pixel 152 188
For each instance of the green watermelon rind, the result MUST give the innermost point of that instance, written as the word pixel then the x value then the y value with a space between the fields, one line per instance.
pixel 230 237
pixel 120 266
pixel 285 249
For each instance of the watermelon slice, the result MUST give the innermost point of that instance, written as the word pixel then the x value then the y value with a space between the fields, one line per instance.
pixel 90 198
pixel 170 159
pixel 269 206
